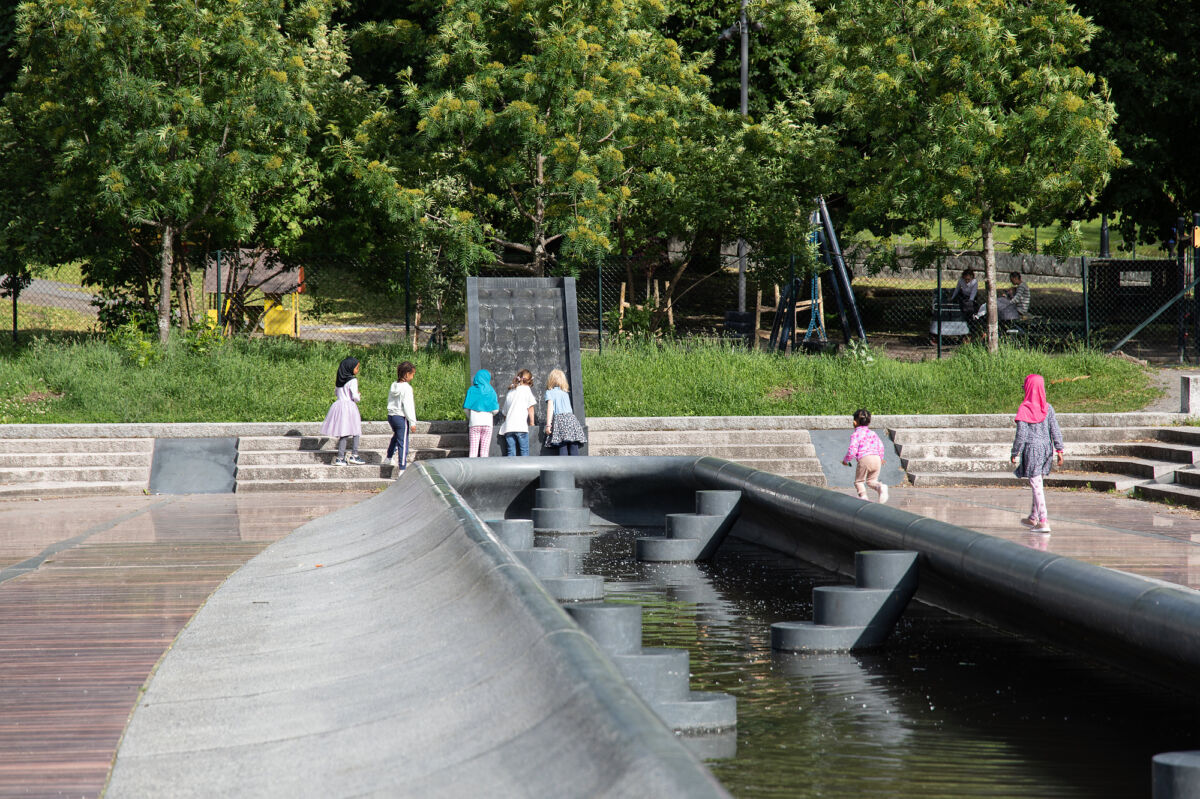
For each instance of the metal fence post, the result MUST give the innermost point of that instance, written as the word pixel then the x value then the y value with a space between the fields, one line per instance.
pixel 937 303
pixel 220 302
pixel 600 308
pixel 1087 319
pixel 1195 265
pixel 407 295
pixel 1179 311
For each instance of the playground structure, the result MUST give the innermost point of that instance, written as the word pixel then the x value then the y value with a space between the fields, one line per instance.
pixel 253 290
pixel 801 297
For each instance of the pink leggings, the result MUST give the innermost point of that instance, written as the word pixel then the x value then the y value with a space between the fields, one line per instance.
pixel 479 440
pixel 1037 510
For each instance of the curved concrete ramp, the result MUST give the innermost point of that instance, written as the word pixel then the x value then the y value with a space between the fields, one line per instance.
pixel 394 648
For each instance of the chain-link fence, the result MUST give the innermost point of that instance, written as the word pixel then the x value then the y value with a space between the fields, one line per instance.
pixel 1083 300
pixel 907 307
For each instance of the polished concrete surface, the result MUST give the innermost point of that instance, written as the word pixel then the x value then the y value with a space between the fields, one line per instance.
pixel 1146 538
pixel 93 590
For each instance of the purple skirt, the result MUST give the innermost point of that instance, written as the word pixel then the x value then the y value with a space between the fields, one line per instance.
pixel 343 419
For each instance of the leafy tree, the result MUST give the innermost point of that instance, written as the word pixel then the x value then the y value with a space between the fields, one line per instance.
pixel 1147 51
pixel 547 124
pixel 172 120
pixel 971 110
pixel 780 58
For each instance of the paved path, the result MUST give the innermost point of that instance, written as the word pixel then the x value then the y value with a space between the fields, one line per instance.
pixel 92 592
pixel 59 295
pixel 1146 538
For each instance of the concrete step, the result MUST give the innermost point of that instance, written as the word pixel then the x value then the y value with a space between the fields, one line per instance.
pixel 90 460
pixel 1183 434
pixel 709 423
pixel 1000 450
pixel 977 435
pixel 1188 477
pixel 1186 495
pixel 729 452
pixel 1094 481
pixel 326 456
pixel 75 474
pixel 779 438
pixel 312 473
pixel 1131 467
pixel 1148 468
pixel 314 443
pixel 51 445
pixel 46 489
pixel 344 484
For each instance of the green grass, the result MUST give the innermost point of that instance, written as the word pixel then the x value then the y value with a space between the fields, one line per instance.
pixel 1004 236
pixel 713 381
pixel 91 380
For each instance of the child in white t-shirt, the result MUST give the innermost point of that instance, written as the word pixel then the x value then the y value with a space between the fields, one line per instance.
pixel 401 414
pixel 519 404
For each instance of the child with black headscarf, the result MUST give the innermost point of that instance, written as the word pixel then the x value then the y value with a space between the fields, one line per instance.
pixel 343 420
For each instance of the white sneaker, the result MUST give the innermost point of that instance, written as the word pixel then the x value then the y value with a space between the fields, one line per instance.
pixel 354 460
pixel 883 494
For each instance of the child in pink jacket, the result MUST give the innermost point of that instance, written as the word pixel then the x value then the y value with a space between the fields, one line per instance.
pixel 867 449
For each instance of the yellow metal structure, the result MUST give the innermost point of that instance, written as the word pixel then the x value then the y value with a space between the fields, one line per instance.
pixel 278 320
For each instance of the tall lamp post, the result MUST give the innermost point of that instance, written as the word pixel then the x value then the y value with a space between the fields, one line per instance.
pixel 742 26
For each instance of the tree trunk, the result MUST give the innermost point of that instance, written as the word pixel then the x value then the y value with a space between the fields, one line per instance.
pixel 989 270
pixel 15 294
pixel 164 297
pixel 539 238
pixel 183 298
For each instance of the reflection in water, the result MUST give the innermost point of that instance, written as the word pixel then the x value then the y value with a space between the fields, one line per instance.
pixel 1040 541
pixel 946 708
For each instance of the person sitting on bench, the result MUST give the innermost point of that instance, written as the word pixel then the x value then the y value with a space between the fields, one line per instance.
pixel 1011 304
pixel 965 293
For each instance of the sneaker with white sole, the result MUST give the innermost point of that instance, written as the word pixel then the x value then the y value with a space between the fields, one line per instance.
pixel 1029 521
pixel 354 460
pixel 1043 527
pixel 883 494
pixel 339 461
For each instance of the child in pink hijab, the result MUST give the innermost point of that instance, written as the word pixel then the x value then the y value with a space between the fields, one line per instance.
pixel 1038 442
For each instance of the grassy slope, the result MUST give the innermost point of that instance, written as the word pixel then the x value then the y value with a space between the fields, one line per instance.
pixel 282 380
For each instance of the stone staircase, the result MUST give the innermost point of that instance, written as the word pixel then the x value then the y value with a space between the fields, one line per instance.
pixel 1103 458
pixel 34 467
pixel 770 443
pixel 305 460
pixel 57 460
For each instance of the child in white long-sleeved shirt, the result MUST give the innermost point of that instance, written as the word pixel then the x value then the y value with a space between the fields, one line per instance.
pixel 402 415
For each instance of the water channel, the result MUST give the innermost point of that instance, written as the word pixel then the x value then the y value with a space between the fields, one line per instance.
pixel 948 708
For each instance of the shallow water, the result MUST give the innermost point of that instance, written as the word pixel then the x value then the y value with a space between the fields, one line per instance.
pixel 947 708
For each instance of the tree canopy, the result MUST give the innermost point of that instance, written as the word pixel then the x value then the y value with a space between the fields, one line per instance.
pixel 970 110
pixel 1147 51
pixel 161 121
